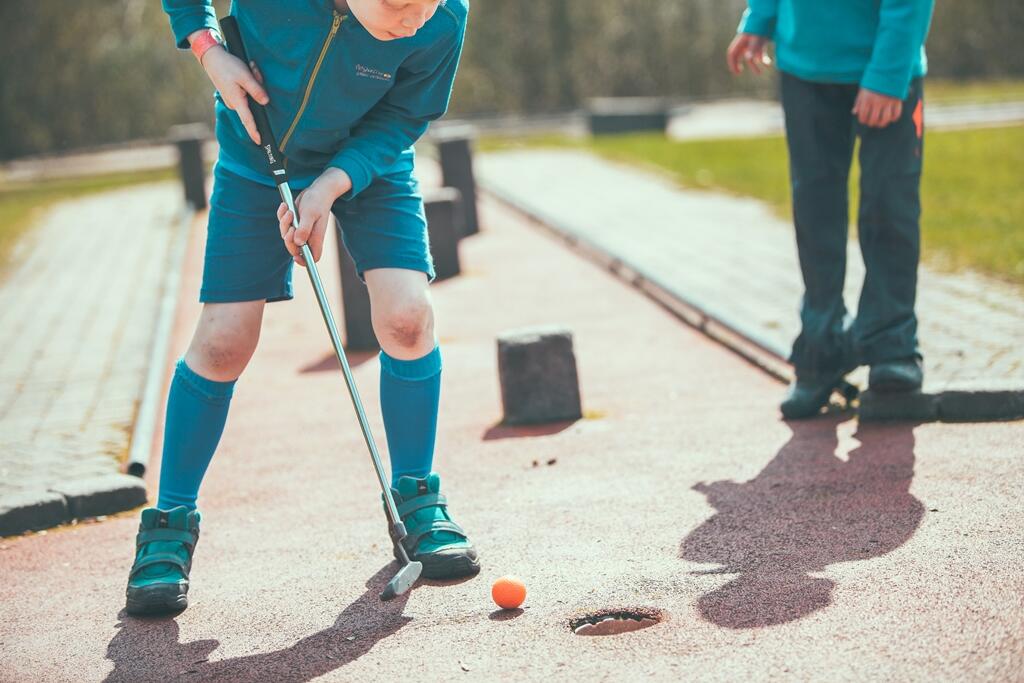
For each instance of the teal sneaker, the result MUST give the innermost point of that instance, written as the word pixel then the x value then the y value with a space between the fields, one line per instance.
pixel 433 538
pixel 158 581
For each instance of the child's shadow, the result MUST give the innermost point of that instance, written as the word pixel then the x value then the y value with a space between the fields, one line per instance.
pixel 148 649
pixel 809 508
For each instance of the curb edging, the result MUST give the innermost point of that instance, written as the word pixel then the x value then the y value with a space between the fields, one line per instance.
pixel 141 441
pixel 59 504
pixel 949 405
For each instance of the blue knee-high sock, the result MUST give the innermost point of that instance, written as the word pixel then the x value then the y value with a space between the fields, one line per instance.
pixel 409 395
pixel 197 409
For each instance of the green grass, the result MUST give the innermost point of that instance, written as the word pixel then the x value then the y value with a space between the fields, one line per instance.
pixel 973 206
pixel 938 91
pixel 21 204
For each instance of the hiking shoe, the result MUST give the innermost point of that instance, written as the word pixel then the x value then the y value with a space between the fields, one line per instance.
pixel 807 395
pixel 433 538
pixel 904 374
pixel 158 581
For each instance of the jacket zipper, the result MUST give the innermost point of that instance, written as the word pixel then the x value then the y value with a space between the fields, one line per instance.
pixel 312 79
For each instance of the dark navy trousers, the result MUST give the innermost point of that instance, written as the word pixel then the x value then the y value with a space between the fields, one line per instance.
pixel 820 132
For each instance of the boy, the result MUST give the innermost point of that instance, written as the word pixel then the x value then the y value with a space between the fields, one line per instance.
pixel 849 68
pixel 349 87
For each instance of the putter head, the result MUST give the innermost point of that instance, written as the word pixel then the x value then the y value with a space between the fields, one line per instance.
pixel 402 581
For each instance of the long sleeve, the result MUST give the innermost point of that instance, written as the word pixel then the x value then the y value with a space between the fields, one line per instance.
pixel 759 18
pixel 188 16
pixel 423 87
pixel 902 29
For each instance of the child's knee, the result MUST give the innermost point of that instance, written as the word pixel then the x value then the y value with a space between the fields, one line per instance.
pixel 219 358
pixel 223 344
pixel 407 323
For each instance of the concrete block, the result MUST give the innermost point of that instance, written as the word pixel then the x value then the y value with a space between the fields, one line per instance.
pixel 981 406
pixel 537 370
pixel 31 509
pixel 455 150
pixel 445 217
pixel 102 495
pixel 613 115
pixel 355 303
pixel 190 139
pixel 910 407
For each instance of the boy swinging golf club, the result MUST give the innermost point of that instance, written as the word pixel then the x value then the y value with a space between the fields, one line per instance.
pixel 374 74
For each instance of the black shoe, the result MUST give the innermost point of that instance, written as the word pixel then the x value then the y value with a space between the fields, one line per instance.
pixel 807 395
pixel 905 374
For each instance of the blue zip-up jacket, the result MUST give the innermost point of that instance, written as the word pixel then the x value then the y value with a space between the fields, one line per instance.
pixel 876 43
pixel 338 96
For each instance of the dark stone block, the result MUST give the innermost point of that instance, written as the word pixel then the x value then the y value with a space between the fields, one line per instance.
pixel 981 406
pixel 355 302
pixel 905 406
pixel 189 140
pixel 34 509
pixel 537 370
pixel 102 495
pixel 443 207
pixel 455 150
pixel 613 115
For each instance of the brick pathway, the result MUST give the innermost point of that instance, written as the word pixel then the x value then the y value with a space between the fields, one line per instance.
pixel 734 261
pixel 77 316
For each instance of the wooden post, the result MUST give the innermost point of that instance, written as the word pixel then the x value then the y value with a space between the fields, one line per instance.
pixel 355 301
pixel 455 149
pixel 443 207
pixel 189 139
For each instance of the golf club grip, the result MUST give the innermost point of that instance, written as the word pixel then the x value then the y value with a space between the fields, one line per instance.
pixel 233 39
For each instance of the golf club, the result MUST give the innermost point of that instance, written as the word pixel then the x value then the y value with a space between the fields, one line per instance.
pixel 409 571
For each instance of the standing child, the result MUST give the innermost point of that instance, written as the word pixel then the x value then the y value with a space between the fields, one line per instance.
pixel 349 87
pixel 849 68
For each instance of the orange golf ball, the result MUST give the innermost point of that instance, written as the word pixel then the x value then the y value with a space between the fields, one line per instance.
pixel 508 592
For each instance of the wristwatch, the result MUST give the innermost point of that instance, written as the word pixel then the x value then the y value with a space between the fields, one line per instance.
pixel 203 42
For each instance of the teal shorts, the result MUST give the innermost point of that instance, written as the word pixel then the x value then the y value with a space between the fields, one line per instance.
pixel 383 227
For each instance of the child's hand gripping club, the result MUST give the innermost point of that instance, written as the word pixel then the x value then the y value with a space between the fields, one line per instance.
pixel 314 207
pixel 240 85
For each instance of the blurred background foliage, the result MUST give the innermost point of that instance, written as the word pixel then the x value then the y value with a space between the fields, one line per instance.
pixel 92 72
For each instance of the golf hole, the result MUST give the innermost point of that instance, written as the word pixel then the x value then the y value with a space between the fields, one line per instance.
pixel 614 622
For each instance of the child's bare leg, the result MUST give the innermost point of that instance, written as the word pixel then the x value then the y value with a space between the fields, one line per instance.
pixel 197 408
pixel 410 380
pixel 225 339
pixel 197 405
pixel 402 312
pixel 410 388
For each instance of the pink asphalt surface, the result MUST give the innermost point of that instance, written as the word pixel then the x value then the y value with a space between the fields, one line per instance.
pixel 818 550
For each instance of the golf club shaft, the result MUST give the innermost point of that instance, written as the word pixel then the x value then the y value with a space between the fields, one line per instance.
pixel 236 47
pixel 339 351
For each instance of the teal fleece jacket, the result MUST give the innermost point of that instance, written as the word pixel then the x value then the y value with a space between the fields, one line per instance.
pixel 338 96
pixel 876 43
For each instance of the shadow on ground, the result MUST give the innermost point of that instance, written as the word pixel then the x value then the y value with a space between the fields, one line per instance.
pixel 504 431
pixel 809 508
pixel 148 649
pixel 330 361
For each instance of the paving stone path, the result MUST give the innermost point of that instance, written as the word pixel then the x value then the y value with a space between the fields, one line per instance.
pixel 734 261
pixel 78 310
